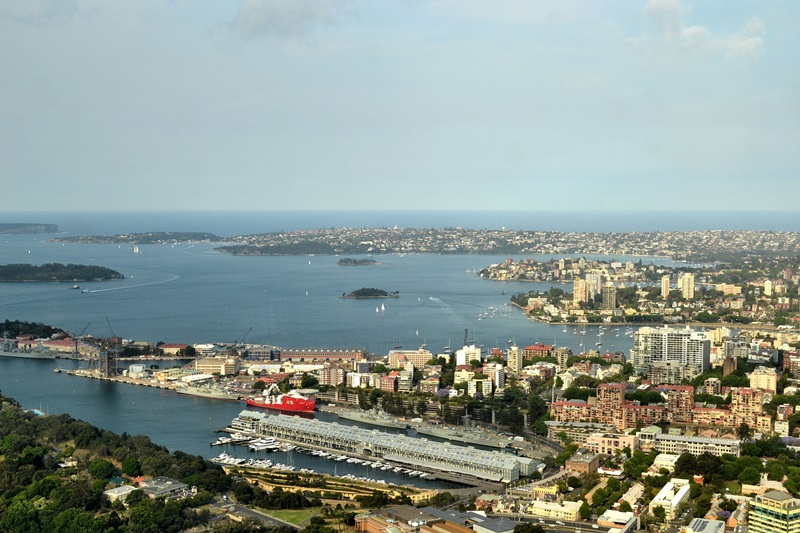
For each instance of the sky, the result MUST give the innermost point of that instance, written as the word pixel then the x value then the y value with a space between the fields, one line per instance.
pixel 400 104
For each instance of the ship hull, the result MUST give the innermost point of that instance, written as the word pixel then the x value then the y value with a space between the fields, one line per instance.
pixel 458 436
pixel 28 355
pixel 381 421
pixel 296 405
pixel 214 395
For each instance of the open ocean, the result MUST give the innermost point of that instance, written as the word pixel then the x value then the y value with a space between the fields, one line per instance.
pixel 189 293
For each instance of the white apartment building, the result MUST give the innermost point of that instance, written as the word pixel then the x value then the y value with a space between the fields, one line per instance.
pixel 671 495
pixel 514 359
pixel 670 345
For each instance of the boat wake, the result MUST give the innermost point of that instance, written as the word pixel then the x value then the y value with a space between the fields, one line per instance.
pixel 172 277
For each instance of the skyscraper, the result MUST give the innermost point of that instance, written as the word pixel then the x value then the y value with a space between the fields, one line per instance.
pixel 609 296
pixel 515 359
pixel 665 287
pixel 594 282
pixel 579 292
pixel 687 285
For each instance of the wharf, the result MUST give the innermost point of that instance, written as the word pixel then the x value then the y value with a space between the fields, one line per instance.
pixel 424 455
pixel 120 379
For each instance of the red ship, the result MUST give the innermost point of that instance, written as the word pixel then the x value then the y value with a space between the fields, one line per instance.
pixel 293 401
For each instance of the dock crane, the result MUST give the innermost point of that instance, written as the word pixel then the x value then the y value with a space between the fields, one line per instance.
pixel 244 337
pixel 75 354
pixel 110 328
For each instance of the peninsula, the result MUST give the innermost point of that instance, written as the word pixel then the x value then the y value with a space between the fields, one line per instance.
pixel 50 272
pixel 695 246
pixel 155 237
pixel 706 245
pixel 368 294
pixel 19 228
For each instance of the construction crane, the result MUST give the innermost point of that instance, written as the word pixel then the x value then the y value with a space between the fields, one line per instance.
pixel 244 337
pixel 75 338
pixel 109 327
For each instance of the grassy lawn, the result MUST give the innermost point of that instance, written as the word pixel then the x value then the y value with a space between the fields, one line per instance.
pixel 293 516
pixel 733 487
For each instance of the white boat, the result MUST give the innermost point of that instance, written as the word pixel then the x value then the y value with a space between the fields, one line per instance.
pixel 136 249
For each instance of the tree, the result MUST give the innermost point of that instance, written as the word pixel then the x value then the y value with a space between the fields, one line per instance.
pixel 585 511
pixel 309 381
pixel 776 471
pixel 102 469
pixel 686 464
pixel 574 482
pixel 625 507
pixel 660 514
pixel 749 476
pixel 131 466
pixel 744 431
pixel 528 527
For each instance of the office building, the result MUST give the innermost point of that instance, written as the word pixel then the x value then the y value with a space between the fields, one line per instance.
pixel 774 512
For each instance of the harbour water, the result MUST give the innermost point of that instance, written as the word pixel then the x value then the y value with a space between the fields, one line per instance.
pixel 192 294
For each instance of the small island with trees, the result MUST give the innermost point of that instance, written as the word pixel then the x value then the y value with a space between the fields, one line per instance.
pixel 367 294
pixel 54 272
pixel 351 261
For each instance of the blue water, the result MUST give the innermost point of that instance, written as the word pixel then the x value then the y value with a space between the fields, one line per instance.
pixel 191 294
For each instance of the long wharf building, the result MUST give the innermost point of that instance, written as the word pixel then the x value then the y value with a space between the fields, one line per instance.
pixel 441 456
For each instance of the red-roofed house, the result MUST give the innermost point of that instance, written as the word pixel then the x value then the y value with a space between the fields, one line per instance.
pixel 172 349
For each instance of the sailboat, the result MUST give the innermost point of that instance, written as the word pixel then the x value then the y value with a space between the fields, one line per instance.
pixel 136 249
pixel 383 308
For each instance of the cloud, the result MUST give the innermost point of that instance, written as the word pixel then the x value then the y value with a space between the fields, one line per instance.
pixel 287 18
pixel 746 44
pixel 39 12
pixel 667 17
